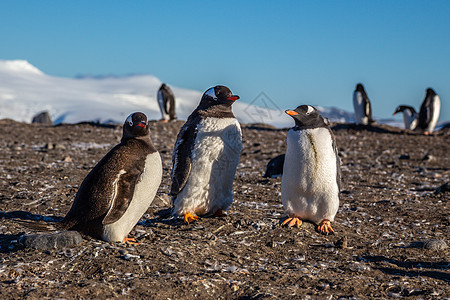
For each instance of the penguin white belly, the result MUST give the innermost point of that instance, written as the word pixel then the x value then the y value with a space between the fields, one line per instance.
pixel 214 160
pixel 161 106
pixel 410 120
pixel 358 106
pixel 309 188
pixel 144 193
pixel 435 110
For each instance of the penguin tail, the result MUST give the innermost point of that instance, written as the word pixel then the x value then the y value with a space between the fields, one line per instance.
pixel 38 225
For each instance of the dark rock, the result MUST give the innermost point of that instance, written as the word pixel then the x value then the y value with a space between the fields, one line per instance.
pixel 42 118
pixel 51 240
pixel 442 189
pixel 275 167
pixel 342 243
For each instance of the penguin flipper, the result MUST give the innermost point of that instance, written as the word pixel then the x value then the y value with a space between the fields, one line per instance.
pixel 123 191
pixel 181 158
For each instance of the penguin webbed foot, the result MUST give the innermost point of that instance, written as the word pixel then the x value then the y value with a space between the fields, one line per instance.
pixel 324 227
pixel 130 241
pixel 189 217
pixel 292 221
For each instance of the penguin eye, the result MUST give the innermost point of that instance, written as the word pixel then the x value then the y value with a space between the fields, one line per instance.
pixel 130 123
pixel 310 110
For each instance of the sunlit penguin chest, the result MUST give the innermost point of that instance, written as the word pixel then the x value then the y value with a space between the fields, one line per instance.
pixel 360 109
pixel 144 193
pixel 214 159
pixel 435 107
pixel 309 186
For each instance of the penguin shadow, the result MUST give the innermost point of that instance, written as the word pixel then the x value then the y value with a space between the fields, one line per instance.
pixel 10 242
pixel 165 218
pixel 106 124
pixel 262 127
pixel 413 268
pixel 376 128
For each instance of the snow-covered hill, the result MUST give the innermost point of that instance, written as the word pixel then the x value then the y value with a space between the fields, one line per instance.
pixel 25 91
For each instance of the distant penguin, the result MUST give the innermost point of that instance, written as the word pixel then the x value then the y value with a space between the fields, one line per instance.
pixel 311 174
pixel 410 116
pixel 120 188
pixel 429 112
pixel 205 157
pixel 275 167
pixel 362 106
pixel 166 102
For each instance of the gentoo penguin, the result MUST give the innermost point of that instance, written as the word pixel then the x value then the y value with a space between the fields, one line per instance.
pixel 410 116
pixel 429 112
pixel 311 174
pixel 205 157
pixel 120 188
pixel 361 104
pixel 166 101
pixel 275 167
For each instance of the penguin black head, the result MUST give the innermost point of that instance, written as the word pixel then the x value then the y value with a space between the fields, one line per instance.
pixel 218 95
pixel 135 125
pixel 306 116
pixel 431 92
pixel 360 87
pixel 402 108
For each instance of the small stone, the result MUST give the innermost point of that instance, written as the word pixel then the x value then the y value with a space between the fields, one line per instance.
pixel 341 243
pixel 129 256
pixel 52 240
pixel 435 245
pixel 67 159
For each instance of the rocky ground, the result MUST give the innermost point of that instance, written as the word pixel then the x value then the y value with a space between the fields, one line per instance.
pixel 393 219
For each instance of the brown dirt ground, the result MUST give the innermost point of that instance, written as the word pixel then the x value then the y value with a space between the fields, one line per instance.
pixel 388 207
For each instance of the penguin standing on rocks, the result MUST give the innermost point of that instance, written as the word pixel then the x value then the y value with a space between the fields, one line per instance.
pixel 205 157
pixel 429 112
pixel 410 116
pixel 120 188
pixel 362 107
pixel 311 174
pixel 166 102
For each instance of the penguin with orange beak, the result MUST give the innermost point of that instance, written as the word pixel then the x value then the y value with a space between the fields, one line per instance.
pixel 311 173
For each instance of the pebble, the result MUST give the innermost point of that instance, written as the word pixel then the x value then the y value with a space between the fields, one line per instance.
pixel 435 245
pixel 51 240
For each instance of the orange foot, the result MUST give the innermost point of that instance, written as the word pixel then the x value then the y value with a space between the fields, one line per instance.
pixel 325 227
pixel 292 222
pixel 188 217
pixel 130 241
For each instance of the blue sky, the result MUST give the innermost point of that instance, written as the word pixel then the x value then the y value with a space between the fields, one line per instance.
pixel 297 52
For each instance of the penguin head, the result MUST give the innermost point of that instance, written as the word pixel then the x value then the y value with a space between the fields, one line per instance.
pixel 402 108
pixel 306 116
pixel 135 125
pixel 218 95
pixel 360 87
pixel 431 92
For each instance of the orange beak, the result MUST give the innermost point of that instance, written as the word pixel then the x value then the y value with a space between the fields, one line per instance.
pixel 291 112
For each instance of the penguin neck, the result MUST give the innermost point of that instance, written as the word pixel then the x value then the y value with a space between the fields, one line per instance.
pixel 215 111
pixel 146 139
